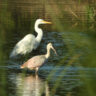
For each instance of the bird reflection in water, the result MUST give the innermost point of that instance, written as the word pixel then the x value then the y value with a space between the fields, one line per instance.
pixel 31 86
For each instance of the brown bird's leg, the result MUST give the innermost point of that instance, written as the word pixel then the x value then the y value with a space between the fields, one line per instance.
pixel 36 76
pixel 36 70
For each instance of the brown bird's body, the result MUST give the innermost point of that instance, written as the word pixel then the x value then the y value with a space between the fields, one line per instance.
pixel 37 61
pixel 34 62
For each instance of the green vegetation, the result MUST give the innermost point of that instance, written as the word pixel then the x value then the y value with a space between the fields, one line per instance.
pixel 74 19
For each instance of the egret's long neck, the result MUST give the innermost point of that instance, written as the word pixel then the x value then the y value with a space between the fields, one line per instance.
pixel 39 31
pixel 48 53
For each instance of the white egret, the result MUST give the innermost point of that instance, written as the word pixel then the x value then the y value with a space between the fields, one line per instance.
pixel 29 42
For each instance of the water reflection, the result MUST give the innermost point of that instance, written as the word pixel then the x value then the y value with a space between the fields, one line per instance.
pixel 74 32
pixel 31 85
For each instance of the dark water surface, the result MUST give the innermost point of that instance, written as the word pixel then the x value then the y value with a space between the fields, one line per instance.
pixel 61 75
pixel 29 84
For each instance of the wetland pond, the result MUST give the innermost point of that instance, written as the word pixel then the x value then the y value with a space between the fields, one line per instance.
pixel 71 73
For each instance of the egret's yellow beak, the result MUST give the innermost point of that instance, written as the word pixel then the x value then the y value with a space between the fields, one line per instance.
pixel 46 22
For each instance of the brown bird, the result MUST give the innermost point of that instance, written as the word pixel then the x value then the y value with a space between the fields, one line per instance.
pixel 37 61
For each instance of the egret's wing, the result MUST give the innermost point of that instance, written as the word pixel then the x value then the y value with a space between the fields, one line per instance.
pixel 36 61
pixel 24 46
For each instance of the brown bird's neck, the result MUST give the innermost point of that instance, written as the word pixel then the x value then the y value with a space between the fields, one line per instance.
pixel 48 53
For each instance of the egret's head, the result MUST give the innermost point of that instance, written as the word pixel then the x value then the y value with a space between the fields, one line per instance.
pixel 50 46
pixel 41 21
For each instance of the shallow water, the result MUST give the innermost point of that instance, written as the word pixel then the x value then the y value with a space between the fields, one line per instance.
pixel 30 84
pixel 60 76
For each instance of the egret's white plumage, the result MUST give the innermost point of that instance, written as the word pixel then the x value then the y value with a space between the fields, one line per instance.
pixel 29 42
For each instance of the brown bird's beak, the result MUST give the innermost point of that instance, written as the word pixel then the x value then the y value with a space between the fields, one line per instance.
pixel 54 50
